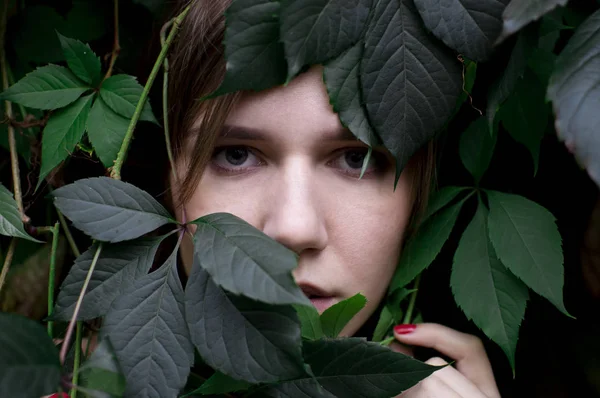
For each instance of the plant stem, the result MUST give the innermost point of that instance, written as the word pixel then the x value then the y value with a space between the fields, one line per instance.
pixel 77 359
pixel 12 145
pixel 68 234
pixel 116 170
pixel 413 299
pixel 387 341
pixel 116 46
pixel 165 99
pixel 7 261
pixel 63 350
pixel 52 275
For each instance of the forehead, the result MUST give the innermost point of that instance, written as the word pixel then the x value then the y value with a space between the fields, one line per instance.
pixel 302 107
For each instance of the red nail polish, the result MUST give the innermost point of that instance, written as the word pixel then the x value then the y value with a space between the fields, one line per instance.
pixel 405 329
pixel 59 395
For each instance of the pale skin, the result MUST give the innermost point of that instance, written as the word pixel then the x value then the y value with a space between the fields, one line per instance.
pixel 286 165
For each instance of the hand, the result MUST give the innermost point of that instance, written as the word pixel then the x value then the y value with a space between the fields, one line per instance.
pixel 472 377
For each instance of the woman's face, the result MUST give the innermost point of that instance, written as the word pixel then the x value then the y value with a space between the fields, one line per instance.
pixel 287 166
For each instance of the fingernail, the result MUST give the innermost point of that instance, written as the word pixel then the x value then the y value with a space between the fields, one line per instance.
pixel 405 329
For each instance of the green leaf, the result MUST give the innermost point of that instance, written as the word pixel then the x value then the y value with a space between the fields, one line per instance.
pixel 47 87
pixel 245 261
pixel 29 363
pixel 110 210
pixel 219 383
pixel 520 13
pixel 424 246
pixel 442 198
pixel 146 325
pixel 527 241
pixel 476 148
pixel 355 368
pixel 575 91
pixel 542 62
pixel 525 115
pixel 503 87
pixel 117 268
pixel 336 317
pixel 62 133
pixel 254 54
pixel 106 130
pixel 391 313
pixel 470 27
pixel 242 338
pixel 342 81
pixel 101 375
pixel 81 60
pixel 122 94
pixel 410 81
pixel 485 290
pixel 309 321
pixel 315 31
pixel 303 388
pixel 10 218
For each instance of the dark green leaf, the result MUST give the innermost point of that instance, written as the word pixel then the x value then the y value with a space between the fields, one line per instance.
pixel 315 31
pixel 117 268
pixel 525 115
pixel 220 383
pixel 527 241
pixel 304 388
pixel 355 368
pixel 470 27
pixel 476 148
pixel 424 246
pixel 29 364
pixel 62 133
pixel 341 78
pixel 35 35
pixel 242 338
pixel 391 313
pixel 410 82
pixel 47 87
pixel 106 130
pixel 575 92
pixel 520 13
pixel 254 54
pixel 485 290
pixel 310 321
pixel 10 219
pixel 146 326
pixel 503 87
pixel 101 376
pixel 110 210
pixel 337 316
pixel 122 93
pixel 81 59
pixel 245 261
pixel 541 62
pixel 441 199
pixel 88 20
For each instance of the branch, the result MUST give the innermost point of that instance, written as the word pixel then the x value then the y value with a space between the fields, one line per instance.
pixel 7 261
pixel 116 170
pixel 52 275
pixel 116 46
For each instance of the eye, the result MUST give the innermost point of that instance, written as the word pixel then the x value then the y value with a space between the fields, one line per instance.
pixel 350 161
pixel 234 159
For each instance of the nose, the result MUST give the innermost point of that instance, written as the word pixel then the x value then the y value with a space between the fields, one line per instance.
pixel 294 217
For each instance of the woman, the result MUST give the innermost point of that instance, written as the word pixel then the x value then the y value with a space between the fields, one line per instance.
pixel 281 160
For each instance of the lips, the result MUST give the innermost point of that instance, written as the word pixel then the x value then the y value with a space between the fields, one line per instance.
pixel 319 298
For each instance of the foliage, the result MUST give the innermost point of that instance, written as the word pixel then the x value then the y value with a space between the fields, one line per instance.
pixel 396 73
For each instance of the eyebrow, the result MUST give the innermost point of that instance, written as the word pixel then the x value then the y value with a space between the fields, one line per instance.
pixel 248 133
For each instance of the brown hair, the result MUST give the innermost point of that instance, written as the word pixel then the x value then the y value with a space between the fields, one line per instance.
pixel 197 67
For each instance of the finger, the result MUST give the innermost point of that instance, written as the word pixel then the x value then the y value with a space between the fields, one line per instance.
pixel 455 379
pixel 431 387
pixel 466 349
pixel 402 349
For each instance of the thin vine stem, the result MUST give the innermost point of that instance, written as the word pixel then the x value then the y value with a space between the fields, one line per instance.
pixel 63 350
pixel 165 98
pixel 68 234
pixel 7 260
pixel 12 144
pixel 52 274
pixel 411 304
pixel 77 360
pixel 116 170
pixel 116 45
